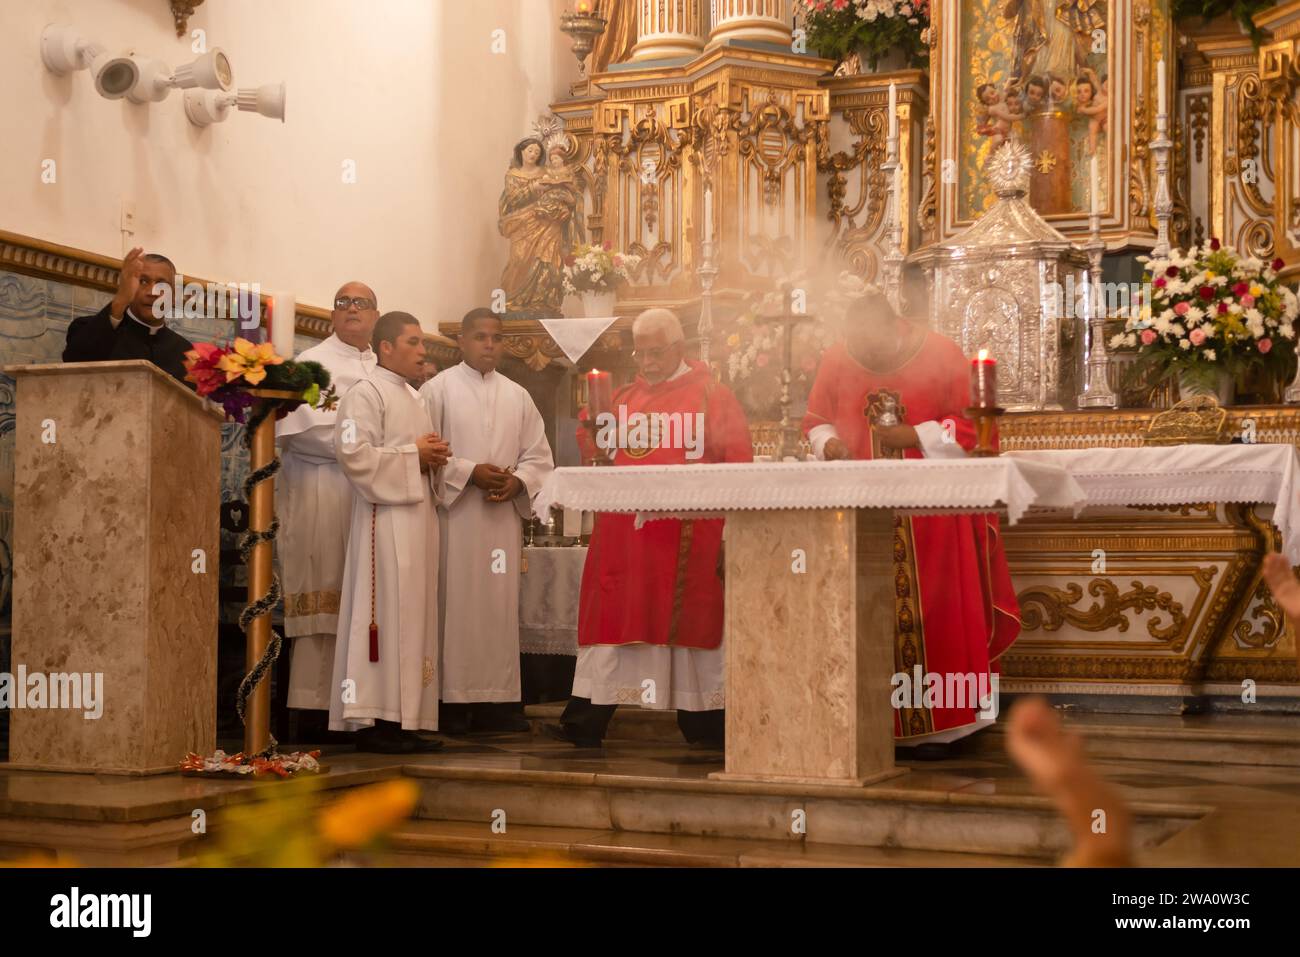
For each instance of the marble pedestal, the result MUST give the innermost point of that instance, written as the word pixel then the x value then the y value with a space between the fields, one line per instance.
pixel 117 484
pixel 809 639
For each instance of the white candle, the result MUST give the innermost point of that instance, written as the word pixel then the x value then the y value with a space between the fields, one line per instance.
pixel 1160 86
pixel 1094 185
pixel 572 527
pixel 588 522
pixel 898 194
pixel 283 310
pixel 893 110
pixel 708 215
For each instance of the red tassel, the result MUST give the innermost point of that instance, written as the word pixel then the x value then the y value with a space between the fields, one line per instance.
pixel 374 642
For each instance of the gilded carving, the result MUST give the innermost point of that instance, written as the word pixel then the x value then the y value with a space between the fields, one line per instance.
pixel 1050 608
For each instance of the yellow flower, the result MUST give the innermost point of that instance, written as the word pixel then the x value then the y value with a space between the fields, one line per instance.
pixel 356 819
pixel 1256 290
pixel 249 360
pixel 733 340
pixel 1208 275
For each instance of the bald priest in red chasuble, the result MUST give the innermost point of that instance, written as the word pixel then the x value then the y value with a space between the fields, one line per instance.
pixel 894 389
pixel 650 610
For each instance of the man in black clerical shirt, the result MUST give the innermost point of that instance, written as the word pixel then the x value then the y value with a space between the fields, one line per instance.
pixel 127 328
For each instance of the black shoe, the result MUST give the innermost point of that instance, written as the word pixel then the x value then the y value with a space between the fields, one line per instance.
pixel 415 743
pixel 453 718
pixel 561 733
pixel 708 744
pixel 927 751
pixel 381 739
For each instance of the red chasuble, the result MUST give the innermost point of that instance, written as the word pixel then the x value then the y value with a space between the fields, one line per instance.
pixel 659 584
pixel 955 608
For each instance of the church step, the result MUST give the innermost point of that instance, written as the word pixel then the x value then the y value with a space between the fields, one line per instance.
pixel 628 723
pixel 877 817
pixel 1254 740
pixel 461 844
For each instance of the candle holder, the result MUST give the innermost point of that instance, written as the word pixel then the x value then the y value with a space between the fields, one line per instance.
pixel 1097 393
pixel 1164 203
pixel 985 419
pixel 892 271
pixel 708 272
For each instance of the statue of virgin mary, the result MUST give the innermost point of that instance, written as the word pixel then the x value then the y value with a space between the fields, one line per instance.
pixel 541 214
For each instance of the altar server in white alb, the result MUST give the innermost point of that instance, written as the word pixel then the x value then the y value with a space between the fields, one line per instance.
pixel 501 460
pixel 314 502
pixel 386 659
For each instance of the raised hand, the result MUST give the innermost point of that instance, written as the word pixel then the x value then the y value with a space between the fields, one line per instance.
pixel 128 281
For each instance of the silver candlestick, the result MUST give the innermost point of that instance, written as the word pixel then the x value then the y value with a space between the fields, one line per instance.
pixel 1096 392
pixel 892 272
pixel 1160 146
pixel 708 272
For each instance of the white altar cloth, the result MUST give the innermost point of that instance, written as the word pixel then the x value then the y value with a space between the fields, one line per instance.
pixel 912 485
pixel 1187 475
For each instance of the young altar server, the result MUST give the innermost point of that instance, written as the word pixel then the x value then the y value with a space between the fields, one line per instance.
pixel 386 654
pixel 501 460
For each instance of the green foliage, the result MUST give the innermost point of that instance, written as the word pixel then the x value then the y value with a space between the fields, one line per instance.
pixel 1242 11
pixel 836 34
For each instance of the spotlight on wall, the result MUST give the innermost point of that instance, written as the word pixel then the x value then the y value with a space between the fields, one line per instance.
pixel 205 107
pixel 212 71
pixel 63 51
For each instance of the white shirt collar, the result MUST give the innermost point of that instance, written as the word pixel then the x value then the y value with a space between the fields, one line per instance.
pixel 365 355
pixel 390 375
pixel 153 330
pixel 681 371
pixel 475 374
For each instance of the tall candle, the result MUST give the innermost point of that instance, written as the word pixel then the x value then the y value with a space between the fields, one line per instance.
pixel 898 195
pixel 283 318
pixel 572 524
pixel 984 381
pixel 1094 185
pixel 600 393
pixel 708 215
pixel 893 110
pixel 1160 86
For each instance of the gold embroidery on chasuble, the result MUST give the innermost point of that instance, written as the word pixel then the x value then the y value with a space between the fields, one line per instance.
pixel 909 631
pixel 304 604
pixel 679 584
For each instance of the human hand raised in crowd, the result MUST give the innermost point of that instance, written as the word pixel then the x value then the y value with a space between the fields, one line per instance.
pixel 128 282
pixel 835 449
pixel 434 452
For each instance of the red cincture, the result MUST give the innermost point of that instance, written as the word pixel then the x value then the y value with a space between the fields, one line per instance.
pixel 374 627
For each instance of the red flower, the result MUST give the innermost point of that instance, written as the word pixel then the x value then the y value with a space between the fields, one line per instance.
pixel 1223 308
pixel 1277 264
pixel 201 363
pixel 1240 289
pixel 1214 245
pixel 1172 272
pixel 1264 345
pixel 1207 293
pixel 1161 283
pixel 839 4
pixel 608 246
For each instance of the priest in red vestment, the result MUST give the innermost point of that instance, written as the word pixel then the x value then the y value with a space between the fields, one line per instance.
pixel 955 608
pixel 650 610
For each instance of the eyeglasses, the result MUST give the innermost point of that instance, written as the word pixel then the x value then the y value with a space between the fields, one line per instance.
pixel 343 302
pixel 641 355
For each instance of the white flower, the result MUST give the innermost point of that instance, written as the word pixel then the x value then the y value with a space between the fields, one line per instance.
pixel 1194 314
pixel 1131 339
pixel 1209 354
pixel 1184 343
pixel 1118 340
pixel 1177 329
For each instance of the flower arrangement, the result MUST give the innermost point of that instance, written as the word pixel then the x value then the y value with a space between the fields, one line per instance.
pixel 225 374
pixel 597 269
pixel 838 28
pixel 1212 311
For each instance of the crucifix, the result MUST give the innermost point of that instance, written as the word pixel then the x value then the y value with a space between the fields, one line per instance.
pixel 787 320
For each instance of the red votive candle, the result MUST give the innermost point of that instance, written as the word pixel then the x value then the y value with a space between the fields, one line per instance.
pixel 600 393
pixel 984 381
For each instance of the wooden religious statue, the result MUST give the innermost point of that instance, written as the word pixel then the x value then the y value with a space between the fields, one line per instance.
pixel 541 215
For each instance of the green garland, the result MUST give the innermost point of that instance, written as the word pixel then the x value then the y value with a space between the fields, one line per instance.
pixel 836 34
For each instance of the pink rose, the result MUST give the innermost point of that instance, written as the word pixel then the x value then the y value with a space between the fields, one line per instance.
pixel 1197 336
pixel 1247 301
pixel 1182 308
pixel 1264 345
pixel 1148 336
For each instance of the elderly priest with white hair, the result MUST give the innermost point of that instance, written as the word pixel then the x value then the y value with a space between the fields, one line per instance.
pixel 650 611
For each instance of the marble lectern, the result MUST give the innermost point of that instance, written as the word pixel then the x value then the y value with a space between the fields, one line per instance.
pixel 117 496
pixel 810 595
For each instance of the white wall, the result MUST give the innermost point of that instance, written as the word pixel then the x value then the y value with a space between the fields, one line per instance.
pixel 409 89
